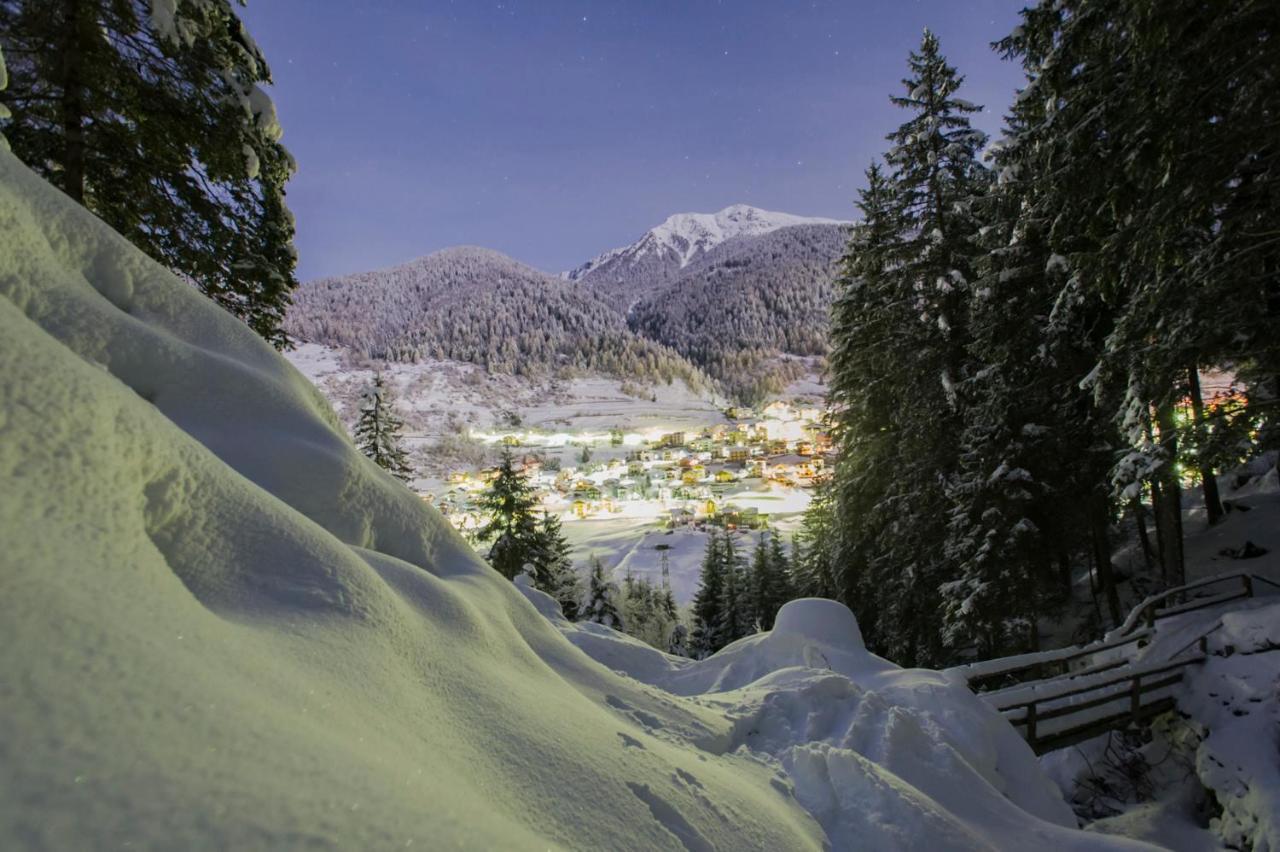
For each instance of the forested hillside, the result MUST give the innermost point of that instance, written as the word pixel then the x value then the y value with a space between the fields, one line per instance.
pixel 1019 341
pixel 479 306
pixel 746 305
pixel 739 312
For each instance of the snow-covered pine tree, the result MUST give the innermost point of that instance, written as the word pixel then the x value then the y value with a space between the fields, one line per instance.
pixel 707 602
pixel 900 341
pixel 679 643
pixel 150 114
pixel 781 587
pixel 553 570
pixel 377 432
pixel 509 504
pixel 737 616
pixel 769 580
pixel 1159 180
pixel 813 548
pixel 601 606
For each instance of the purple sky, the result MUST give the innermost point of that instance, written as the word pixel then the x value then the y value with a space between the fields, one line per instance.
pixel 552 130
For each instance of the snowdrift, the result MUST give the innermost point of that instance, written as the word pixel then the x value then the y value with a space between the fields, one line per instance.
pixel 221 627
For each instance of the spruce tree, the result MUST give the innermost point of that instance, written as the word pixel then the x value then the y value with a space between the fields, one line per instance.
pixel 1159 179
pixel 509 505
pixel 900 358
pixel 553 570
pixel 150 114
pixel 707 602
pixel 600 605
pixel 377 432
pixel 737 617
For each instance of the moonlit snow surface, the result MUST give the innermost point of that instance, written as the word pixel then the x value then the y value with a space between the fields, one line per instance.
pixel 222 628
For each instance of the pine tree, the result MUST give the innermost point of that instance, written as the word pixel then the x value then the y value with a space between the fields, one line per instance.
pixel 781 586
pixel 900 357
pixel 553 570
pixel 708 602
pixel 150 114
pixel 737 618
pixel 509 504
pixel 377 432
pixel 679 643
pixel 813 548
pixel 600 606
pixel 1159 180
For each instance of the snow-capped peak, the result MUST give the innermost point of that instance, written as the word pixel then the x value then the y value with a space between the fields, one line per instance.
pixel 684 236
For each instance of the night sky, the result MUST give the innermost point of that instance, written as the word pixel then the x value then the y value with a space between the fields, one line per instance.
pixel 552 130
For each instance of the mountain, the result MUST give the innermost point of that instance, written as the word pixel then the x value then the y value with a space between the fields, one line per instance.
pixel 479 306
pixel 753 312
pixel 626 274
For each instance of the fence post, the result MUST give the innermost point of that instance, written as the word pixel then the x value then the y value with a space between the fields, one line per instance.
pixel 1248 585
pixel 1149 616
pixel 1135 696
pixel 1031 725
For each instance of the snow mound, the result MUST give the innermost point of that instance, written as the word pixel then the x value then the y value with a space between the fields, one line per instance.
pixel 819 620
pixel 222 627
pixel 883 757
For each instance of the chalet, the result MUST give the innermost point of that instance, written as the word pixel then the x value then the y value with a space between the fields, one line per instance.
pixel 635 468
pixel 739 453
pixel 680 517
pixel 724 475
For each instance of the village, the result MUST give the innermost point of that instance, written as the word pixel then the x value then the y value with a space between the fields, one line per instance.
pixel 712 476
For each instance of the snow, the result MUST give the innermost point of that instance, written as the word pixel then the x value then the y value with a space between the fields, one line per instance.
pixel 685 236
pixel 222 627
pixel 885 758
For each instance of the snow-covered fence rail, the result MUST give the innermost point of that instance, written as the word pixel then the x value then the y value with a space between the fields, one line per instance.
pixel 1003 671
pixel 1180 600
pixel 1059 719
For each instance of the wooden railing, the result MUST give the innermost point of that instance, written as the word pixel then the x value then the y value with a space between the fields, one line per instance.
pixel 1139 687
pixel 1157 607
pixel 1009 671
pixel 1136 629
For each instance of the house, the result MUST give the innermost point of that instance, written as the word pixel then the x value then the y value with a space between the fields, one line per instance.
pixel 725 476
pixel 739 453
pixel 777 411
pixel 680 517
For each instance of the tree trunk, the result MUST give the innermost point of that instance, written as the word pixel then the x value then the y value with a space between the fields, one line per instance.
pixel 1208 479
pixel 72 103
pixel 1098 525
pixel 1140 521
pixel 1170 512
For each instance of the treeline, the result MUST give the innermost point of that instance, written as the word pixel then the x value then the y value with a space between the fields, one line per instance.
pixel 151 116
pixel 1017 342
pixel 737 312
pixel 737 598
pixel 480 307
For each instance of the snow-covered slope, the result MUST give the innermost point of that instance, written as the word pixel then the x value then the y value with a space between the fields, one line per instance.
pixel 222 628
pixel 668 248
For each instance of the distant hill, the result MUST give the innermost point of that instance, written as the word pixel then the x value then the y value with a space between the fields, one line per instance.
pixel 741 297
pixel 479 306
pixel 625 275
pixel 743 308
